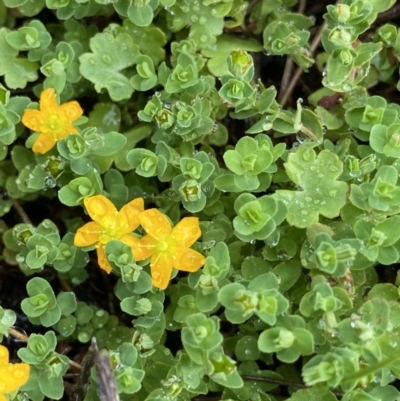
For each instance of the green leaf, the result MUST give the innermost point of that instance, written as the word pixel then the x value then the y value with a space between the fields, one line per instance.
pixel 53 386
pixel 103 68
pixel 320 191
pixel 67 303
pixel 289 272
pixel 17 71
pixel 66 326
pixel 246 349
pixel 25 38
pixel 106 117
pixel 32 8
pixel 218 55
pixel 14 3
pixel 143 161
pixel 44 36
pixel 205 22
pixel 150 39
pixel 40 348
pixel 316 393
pixel 113 143
pixel 77 189
pixel 133 136
pixel 201 336
pixel 140 15
pixel 223 370
pixel 41 306
pixel 146 77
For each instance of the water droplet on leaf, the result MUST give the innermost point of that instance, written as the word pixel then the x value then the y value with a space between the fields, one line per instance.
pixel 107 59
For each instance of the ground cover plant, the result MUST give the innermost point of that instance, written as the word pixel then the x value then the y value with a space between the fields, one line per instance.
pixel 200 199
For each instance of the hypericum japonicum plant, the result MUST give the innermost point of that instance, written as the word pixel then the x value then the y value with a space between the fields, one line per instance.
pixel 246 240
pixel 166 247
pixel 12 376
pixel 108 224
pixel 51 122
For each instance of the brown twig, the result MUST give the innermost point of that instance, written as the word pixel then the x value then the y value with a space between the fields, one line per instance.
pixel 24 338
pixel 302 6
pixel 74 364
pixel 299 70
pixel 17 334
pixel 64 284
pixel 22 214
pixel 251 6
pixel 287 72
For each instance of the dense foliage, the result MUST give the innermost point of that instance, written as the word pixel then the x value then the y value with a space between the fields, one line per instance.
pixel 245 216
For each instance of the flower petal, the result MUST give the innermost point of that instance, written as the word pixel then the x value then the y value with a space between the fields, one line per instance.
pixel 99 206
pixel 189 260
pixel 102 259
pixel 161 269
pixel 155 223
pixel 14 376
pixel 48 100
pixel 4 355
pixel 129 214
pixel 88 234
pixel 32 119
pixel 65 131
pixel 72 110
pixel 142 248
pixel 43 143
pixel 187 231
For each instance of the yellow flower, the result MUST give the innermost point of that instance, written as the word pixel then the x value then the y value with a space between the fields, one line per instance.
pixel 108 224
pixel 12 376
pixel 167 246
pixel 52 122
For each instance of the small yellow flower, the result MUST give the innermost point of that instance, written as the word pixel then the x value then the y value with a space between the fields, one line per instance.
pixel 12 376
pixel 52 122
pixel 168 247
pixel 108 224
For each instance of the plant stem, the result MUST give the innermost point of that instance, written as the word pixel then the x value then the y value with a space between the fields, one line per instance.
pixel 371 368
pixel 22 214
pixel 287 72
pixel 24 338
pixel 302 6
pixel 283 115
pixel 283 382
pixel 276 381
pixel 17 334
pixel 299 71
pixel 251 6
pixel 64 284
